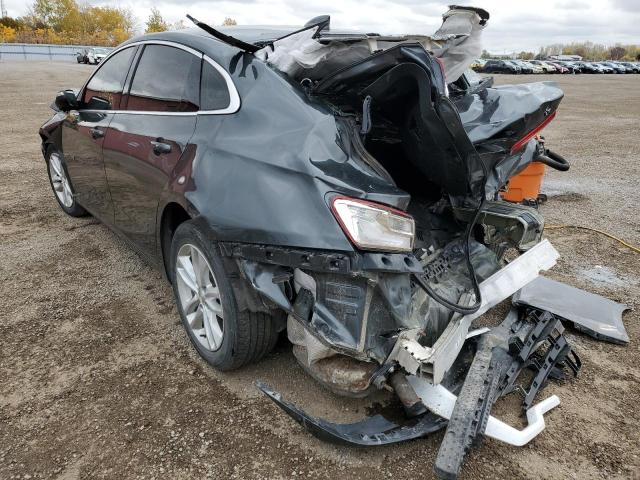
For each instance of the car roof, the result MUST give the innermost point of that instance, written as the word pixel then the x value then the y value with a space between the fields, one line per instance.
pixel 204 42
pixel 255 34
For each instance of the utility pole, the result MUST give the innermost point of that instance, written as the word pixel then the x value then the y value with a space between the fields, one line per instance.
pixel 3 9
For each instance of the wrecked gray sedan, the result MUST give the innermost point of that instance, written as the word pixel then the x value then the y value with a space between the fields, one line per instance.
pixel 344 188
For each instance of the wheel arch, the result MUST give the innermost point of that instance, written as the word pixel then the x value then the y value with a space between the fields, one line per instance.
pixel 172 215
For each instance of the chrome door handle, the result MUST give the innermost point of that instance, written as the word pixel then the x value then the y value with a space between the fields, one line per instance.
pixel 96 133
pixel 160 147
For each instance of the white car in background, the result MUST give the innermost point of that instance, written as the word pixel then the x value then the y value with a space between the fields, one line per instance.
pixel 95 55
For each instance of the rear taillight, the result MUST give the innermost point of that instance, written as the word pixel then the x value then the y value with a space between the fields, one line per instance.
pixel 444 76
pixel 372 226
pixel 524 140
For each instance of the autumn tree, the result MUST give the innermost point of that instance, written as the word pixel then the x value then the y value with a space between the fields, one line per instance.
pixel 228 22
pixel 179 25
pixel 67 22
pixel 7 34
pixel 15 23
pixel 617 52
pixel 56 14
pixel 156 23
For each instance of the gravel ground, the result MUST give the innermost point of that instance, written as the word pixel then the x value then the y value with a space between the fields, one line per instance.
pixel 98 380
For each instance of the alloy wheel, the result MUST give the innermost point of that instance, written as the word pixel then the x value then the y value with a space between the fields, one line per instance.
pixel 60 182
pixel 199 297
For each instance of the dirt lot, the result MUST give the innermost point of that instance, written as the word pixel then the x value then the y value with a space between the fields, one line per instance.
pixel 98 380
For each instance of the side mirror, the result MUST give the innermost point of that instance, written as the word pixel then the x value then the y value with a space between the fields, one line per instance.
pixel 66 100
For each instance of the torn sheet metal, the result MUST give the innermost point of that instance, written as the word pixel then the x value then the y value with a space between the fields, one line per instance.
pixel 262 277
pixel 592 314
pixel 461 36
pixel 314 53
pixel 495 110
pixel 299 54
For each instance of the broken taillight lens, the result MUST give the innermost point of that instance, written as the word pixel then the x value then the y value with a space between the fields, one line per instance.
pixel 444 76
pixel 371 226
pixel 523 141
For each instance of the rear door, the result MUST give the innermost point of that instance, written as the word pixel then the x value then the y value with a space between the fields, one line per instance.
pixel 84 130
pixel 150 134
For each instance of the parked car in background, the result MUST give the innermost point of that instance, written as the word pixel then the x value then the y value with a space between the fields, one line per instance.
pixel 80 56
pixel 513 63
pixel 546 67
pixel 535 68
pixel 95 55
pixel 560 68
pixel 571 66
pixel 617 68
pixel 477 65
pixel 602 68
pixel 588 67
pixel 500 66
pixel 524 66
pixel 631 67
pixel 92 55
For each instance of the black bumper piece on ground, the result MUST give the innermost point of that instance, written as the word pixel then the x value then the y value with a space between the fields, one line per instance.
pixel 375 430
pixel 529 339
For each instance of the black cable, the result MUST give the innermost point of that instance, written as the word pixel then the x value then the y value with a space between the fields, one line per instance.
pixel 464 310
pixel 476 287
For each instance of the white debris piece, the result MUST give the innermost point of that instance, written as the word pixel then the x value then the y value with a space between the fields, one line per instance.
pixel 441 402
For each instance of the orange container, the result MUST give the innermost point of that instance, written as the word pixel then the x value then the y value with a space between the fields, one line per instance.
pixel 525 185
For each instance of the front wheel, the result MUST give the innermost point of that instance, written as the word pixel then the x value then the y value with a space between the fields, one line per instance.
pixel 61 185
pixel 224 336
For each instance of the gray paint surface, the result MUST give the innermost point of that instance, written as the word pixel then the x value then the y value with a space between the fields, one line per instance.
pixel 592 314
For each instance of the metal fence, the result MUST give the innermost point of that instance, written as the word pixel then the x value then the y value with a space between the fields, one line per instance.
pixel 32 51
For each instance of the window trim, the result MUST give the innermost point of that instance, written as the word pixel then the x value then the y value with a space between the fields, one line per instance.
pixel 81 92
pixel 234 97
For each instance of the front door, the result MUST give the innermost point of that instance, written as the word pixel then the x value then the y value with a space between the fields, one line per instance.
pixel 82 139
pixel 84 132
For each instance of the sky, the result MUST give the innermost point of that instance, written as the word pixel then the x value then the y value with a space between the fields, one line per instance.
pixel 514 25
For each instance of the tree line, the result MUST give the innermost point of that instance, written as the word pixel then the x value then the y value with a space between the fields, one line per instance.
pixel 587 50
pixel 66 22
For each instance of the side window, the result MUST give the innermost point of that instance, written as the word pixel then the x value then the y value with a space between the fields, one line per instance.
pixel 214 94
pixel 167 79
pixel 104 90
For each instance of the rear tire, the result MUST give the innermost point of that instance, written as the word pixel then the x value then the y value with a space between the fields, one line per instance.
pixel 225 337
